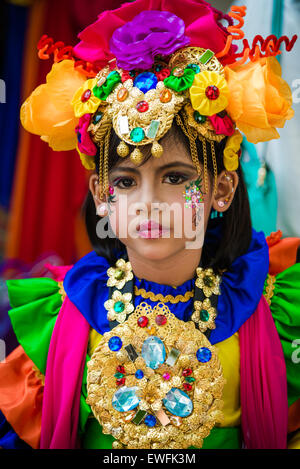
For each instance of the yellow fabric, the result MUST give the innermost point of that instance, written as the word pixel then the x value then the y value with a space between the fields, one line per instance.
pixel 294 443
pixel 229 354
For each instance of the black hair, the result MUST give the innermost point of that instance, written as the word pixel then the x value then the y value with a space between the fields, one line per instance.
pixel 234 227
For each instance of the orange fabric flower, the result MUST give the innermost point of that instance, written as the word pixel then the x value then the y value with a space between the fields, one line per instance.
pixel 48 111
pixel 259 100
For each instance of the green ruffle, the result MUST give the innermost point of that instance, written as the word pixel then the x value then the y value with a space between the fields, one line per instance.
pixel 35 305
pixel 102 92
pixel 182 83
pixel 285 308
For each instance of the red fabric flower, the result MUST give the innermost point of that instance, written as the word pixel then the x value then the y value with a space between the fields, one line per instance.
pixel 202 26
pixel 222 125
pixel 164 73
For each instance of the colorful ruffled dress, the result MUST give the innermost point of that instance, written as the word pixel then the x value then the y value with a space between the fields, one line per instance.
pixel 59 323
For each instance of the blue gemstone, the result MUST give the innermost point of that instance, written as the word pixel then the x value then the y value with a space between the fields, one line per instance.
pixel 194 67
pixel 203 354
pixel 125 399
pixel 150 421
pixel 153 352
pixel 115 343
pixel 145 81
pixel 178 403
pixel 139 374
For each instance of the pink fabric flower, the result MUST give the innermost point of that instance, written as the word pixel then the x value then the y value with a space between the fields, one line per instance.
pixel 85 143
pixel 222 125
pixel 202 27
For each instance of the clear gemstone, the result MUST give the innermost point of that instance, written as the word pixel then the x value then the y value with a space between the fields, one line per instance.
pixel 125 399
pixel 153 128
pixel 153 352
pixel 123 125
pixel 178 403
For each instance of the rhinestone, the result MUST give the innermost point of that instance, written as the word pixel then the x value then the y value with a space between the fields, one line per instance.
pixel 204 315
pixel 194 67
pixel 153 352
pixel 139 416
pixel 125 399
pixel 120 381
pixel 208 281
pixel 139 374
pixel 119 307
pixel 178 72
pixel 121 369
pixel 153 128
pixel 142 321
pixel 97 117
pixel 187 386
pixel 101 81
pixel 142 106
pixel 165 96
pixel 137 134
pixel 178 403
pixel 206 56
pixel 115 343
pixel 118 375
pixel 176 421
pixel 119 274
pixel 187 372
pixel 160 319
pixel 189 379
pixel 212 92
pixel 123 125
pixel 150 421
pixel 145 81
pixel 166 376
pixel 122 94
pixel 203 354
pixel 86 96
pixel 199 118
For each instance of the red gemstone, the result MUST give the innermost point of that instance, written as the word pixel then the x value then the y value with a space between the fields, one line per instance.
pixel 142 106
pixel 212 92
pixel 160 319
pixel 142 321
pixel 187 372
pixel 187 386
pixel 86 96
pixel 120 369
pixel 120 382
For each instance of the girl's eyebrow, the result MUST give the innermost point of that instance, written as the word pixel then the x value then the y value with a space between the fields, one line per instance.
pixel 161 168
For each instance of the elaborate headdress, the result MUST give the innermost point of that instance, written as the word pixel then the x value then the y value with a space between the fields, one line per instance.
pixel 136 67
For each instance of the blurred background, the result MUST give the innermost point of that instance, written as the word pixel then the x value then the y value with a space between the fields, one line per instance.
pixel 41 191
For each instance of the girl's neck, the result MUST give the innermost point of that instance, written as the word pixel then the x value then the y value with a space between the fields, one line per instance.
pixel 173 271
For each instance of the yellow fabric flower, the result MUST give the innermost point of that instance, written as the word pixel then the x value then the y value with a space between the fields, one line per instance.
pixel 260 100
pixel 233 144
pixel 84 101
pixel 199 99
pixel 48 112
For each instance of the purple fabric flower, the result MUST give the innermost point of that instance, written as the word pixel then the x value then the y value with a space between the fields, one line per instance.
pixel 85 143
pixel 150 33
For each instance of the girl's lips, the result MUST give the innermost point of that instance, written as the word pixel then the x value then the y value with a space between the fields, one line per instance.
pixel 150 229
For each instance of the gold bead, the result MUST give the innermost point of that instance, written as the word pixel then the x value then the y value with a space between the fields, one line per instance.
pixel 136 156
pixel 157 150
pixel 122 149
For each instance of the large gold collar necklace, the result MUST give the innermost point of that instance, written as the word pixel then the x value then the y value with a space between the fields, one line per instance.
pixel 155 381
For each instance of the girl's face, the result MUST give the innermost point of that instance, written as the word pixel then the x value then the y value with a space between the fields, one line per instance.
pixel 148 211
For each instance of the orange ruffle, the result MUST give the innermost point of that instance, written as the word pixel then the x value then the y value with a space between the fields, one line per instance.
pixel 21 395
pixel 282 252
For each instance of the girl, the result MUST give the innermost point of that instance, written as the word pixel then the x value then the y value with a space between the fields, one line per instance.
pixel 179 329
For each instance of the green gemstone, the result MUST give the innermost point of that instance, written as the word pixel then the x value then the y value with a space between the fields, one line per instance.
pixel 206 56
pixel 194 67
pixel 97 117
pixel 190 379
pixel 137 135
pixel 119 375
pixel 204 315
pixel 119 307
pixel 119 274
pixel 208 281
pixel 153 128
pixel 139 416
pixel 199 118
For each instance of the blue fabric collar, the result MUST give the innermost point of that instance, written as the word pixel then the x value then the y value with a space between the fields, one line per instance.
pixel 241 289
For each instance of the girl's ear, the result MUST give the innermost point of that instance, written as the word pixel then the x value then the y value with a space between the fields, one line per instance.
pixel 101 205
pixel 227 183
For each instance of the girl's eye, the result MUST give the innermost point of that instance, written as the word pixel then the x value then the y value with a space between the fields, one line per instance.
pixel 123 183
pixel 176 178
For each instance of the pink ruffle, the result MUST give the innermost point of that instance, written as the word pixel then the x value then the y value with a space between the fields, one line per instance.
pixel 222 125
pixel 201 20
